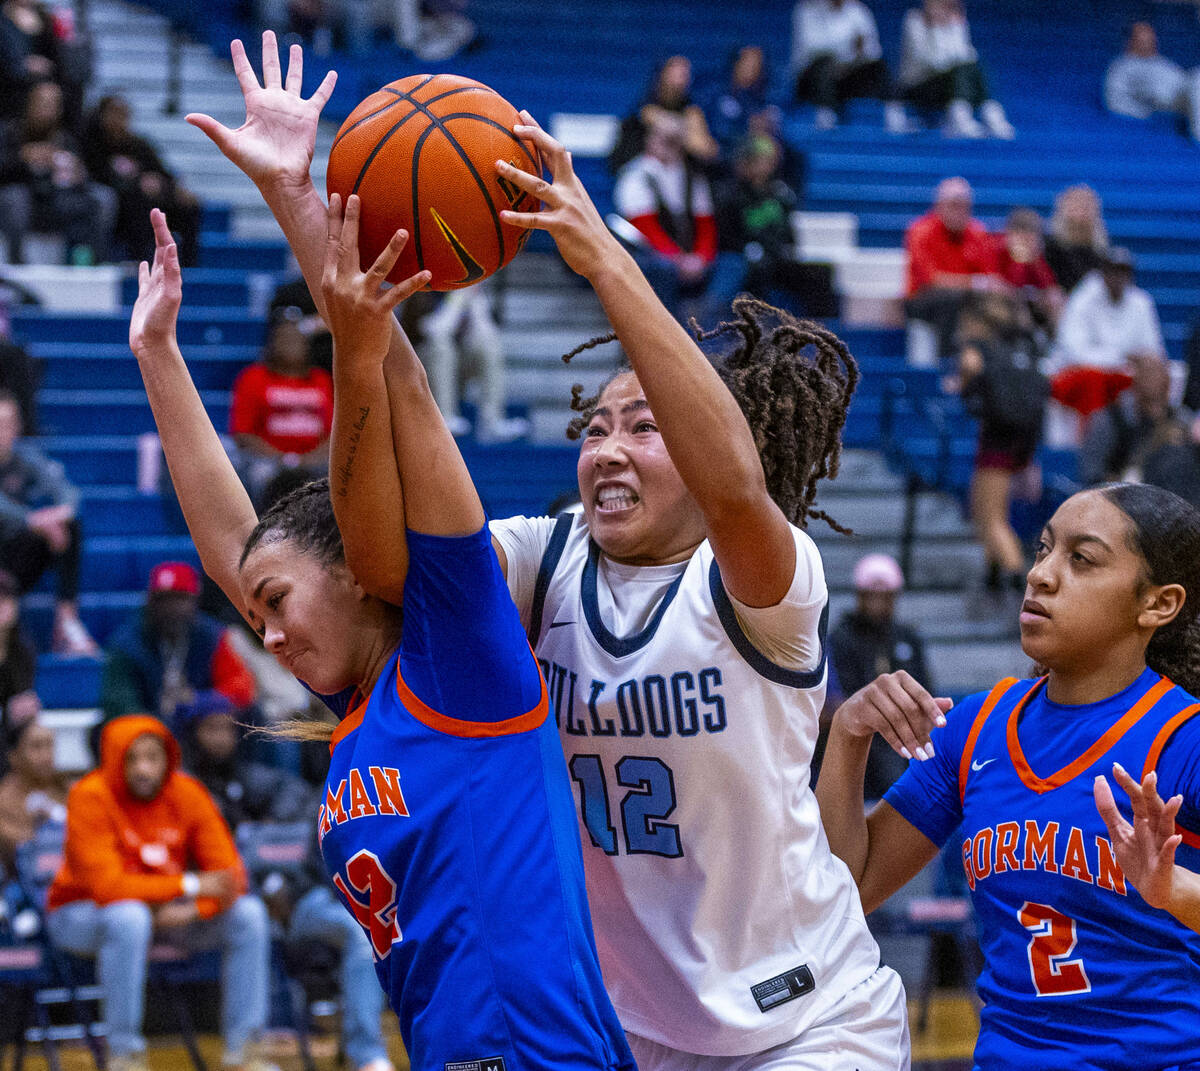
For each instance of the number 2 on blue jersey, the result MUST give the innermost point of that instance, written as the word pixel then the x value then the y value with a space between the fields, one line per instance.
pixel 650 800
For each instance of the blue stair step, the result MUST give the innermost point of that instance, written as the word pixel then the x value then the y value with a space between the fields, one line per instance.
pixel 78 365
pixel 112 412
pixel 68 683
pixel 197 324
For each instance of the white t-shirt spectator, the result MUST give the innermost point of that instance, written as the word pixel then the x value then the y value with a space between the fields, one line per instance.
pixel 1141 85
pixel 928 49
pixel 819 28
pixel 1096 332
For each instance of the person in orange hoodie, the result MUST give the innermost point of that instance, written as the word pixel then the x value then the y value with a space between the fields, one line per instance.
pixel 147 853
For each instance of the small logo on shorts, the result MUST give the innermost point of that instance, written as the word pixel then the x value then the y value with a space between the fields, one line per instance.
pixel 490 1063
pixel 783 987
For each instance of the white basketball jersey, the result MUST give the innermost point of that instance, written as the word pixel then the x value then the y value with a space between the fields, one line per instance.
pixel 724 924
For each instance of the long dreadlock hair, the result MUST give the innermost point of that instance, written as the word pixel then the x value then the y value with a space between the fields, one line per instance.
pixel 793 381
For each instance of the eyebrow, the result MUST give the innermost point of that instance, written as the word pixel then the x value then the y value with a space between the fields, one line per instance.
pixel 628 407
pixel 1087 537
pixel 261 584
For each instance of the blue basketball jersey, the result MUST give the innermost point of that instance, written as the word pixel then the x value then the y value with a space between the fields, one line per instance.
pixel 1079 971
pixel 453 840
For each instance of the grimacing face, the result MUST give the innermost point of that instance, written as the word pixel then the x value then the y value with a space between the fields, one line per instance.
pixel 637 507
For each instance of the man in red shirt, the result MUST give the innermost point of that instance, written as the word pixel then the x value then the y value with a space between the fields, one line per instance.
pixel 949 255
pixel 282 414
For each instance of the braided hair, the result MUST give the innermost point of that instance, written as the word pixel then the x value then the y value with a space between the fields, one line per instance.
pixel 1166 535
pixel 304 517
pixel 793 381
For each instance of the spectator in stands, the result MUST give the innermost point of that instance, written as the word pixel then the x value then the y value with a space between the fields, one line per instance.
pixel 869 641
pixel 36 46
pixel 949 255
pixel 1142 81
pixel 147 855
pixel 293 293
pixel 18 663
pixel 39 527
pixel 48 186
pixel 669 96
pixel 1107 323
pixel 20 372
pixel 1004 388
pixel 129 164
pixel 1020 262
pixel 168 653
pixel 299 896
pixel 32 791
pixel 1141 437
pixel 940 72
pixel 1078 237
pixel 836 55
pixel 754 221
pixel 433 30
pixel 282 413
pixel 211 740
pixel 671 207
pixel 460 339
pixel 743 97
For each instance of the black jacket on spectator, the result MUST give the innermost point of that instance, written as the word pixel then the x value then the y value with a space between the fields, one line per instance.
pixel 251 791
pixel 862 650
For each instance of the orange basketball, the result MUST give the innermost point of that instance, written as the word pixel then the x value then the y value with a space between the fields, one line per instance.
pixel 421 154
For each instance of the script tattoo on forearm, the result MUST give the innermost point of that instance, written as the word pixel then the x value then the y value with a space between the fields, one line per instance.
pixel 345 469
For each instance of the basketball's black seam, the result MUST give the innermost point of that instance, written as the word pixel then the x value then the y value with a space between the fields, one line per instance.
pixel 499 126
pixel 435 120
pixel 391 104
pixel 401 98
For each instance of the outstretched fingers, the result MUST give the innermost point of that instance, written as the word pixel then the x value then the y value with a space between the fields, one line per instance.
pixel 272 73
pixel 1118 828
pixel 242 67
pixel 295 71
pixel 324 91
pixel 557 158
pixel 348 260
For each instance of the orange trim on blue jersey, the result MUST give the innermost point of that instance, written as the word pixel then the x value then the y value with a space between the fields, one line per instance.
pixel 1072 770
pixel 989 704
pixel 351 721
pixel 443 723
pixel 1160 741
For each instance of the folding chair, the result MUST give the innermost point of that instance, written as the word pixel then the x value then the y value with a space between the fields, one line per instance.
pixel 276 855
pixel 39 976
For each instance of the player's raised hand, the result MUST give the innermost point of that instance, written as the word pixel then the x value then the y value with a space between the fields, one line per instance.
pixel 1145 849
pixel 275 144
pixel 568 214
pixel 160 291
pixel 357 308
pixel 897 708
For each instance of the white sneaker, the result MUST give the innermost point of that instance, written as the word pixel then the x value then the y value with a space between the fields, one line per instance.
pixel 504 430
pixel 992 114
pixel 896 120
pixel 960 123
pixel 826 119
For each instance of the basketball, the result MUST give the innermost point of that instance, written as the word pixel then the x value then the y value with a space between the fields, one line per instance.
pixel 421 154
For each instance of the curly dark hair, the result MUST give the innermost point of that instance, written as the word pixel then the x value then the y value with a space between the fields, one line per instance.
pixel 304 517
pixel 793 381
pixel 1166 535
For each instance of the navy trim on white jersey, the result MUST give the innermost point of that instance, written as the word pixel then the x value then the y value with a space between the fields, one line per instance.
pixel 550 559
pixel 757 661
pixel 618 646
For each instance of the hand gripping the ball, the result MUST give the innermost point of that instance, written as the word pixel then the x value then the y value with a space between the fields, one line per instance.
pixel 275 144
pixel 358 311
pixel 568 215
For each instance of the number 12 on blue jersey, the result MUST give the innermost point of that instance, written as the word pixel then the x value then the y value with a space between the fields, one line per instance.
pixel 650 799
